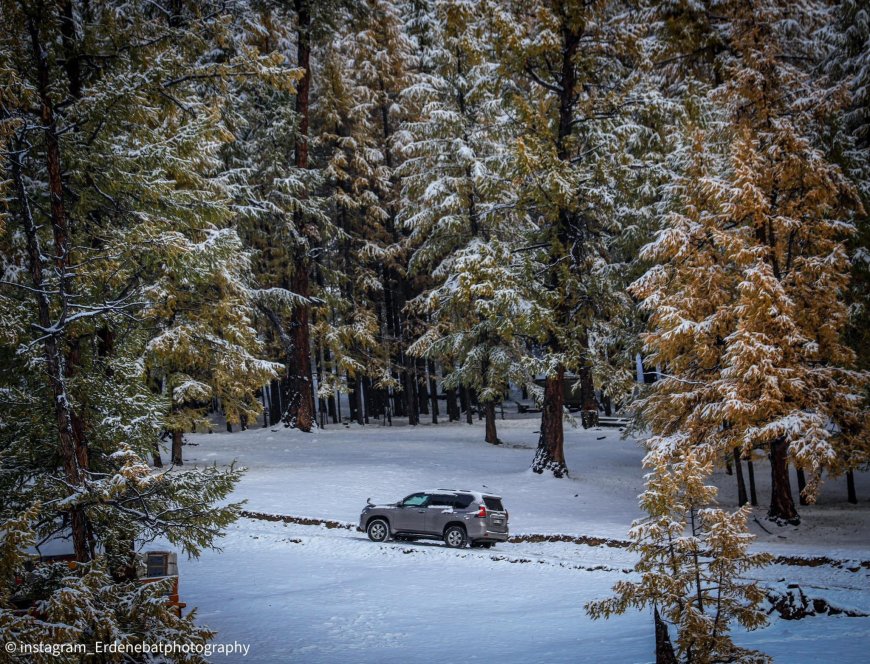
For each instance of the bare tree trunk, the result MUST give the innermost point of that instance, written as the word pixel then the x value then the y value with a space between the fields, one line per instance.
pixel 469 416
pixel 664 648
pixel 850 487
pixel 71 441
pixel 782 507
pixel 300 407
pixel 433 391
pixel 802 484
pixel 489 412
pixel 177 441
pixel 550 455
pixel 741 485
pixel 411 394
pixel 753 496
pixel 358 400
pixel 422 388
pixel 155 453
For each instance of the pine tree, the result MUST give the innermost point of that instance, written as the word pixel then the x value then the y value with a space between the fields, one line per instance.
pixel 692 558
pixel 459 208
pixel 117 209
pixel 570 64
pixel 380 54
pixel 746 297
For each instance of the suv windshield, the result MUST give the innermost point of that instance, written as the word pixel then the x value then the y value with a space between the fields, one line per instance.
pixel 415 500
pixel 493 503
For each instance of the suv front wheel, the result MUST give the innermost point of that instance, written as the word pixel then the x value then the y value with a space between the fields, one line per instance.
pixel 378 530
pixel 455 537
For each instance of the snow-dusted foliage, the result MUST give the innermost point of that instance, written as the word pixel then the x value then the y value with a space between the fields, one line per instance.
pixel 125 293
pixel 746 295
pixel 692 560
pixel 460 211
pixel 570 72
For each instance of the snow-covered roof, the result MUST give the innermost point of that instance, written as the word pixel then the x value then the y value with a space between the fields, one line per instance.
pixel 477 494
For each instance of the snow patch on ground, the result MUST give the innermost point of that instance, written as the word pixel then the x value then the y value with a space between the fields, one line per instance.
pixel 313 594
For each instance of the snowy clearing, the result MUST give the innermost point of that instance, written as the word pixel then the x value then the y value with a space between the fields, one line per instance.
pixel 307 593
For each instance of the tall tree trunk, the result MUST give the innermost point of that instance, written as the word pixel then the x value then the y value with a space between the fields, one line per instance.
pixel 275 405
pixel 753 496
pixel 177 441
pixel 321 401
pixel 71 440
pixel 155 454
pixel 433 391
pixel 741 485
pixel 358 399
pixel 489 413
pixel 411 393
pixel 469 416
pixel 330 401
pixel 422 388
pixel 782 507
pixel 550 455
pixel 802 485
pixel 608 409
pixel 300 407
pixel 850 487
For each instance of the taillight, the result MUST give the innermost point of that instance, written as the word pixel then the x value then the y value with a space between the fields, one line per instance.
pixel 482 512
pixel 507 515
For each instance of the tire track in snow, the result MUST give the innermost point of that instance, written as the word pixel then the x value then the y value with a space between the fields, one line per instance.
pixel 794 561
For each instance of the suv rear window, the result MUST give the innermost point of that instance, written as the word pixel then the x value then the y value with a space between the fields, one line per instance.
pixel 493 504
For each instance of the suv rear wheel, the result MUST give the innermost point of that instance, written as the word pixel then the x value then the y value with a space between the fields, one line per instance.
pixel 455 537
pixel 378 530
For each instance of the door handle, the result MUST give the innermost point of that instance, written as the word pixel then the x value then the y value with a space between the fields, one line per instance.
pixel 421 511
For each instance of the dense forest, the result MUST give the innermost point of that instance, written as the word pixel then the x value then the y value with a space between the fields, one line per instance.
pixel 258 206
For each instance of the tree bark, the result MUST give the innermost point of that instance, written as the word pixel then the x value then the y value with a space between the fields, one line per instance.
pixel 72 443
pixel 469 416
pixel 802 484
pixel 358 400
pixel 177 441
pixel 753 496
pixel 300 407
pixel 155 454
pixel 664 648
pixel 275 406
pixel 550 455
pixel 850 487
pixel 782 509
pixel 489 413
pixel 411 394
pixel 433 391
pixel 741 485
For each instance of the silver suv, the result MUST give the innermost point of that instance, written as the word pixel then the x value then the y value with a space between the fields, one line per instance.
pixel 457 516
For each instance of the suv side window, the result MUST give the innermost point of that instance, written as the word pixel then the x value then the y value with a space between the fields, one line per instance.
pixel 462 501
pixel 441 500
pixel 415 500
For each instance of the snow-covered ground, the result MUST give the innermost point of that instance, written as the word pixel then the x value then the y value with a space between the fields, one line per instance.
pixel 314 594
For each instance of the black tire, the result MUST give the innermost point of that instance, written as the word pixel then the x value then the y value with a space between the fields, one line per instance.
pixel 488 545
pixel 378 530
pixel 455 537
